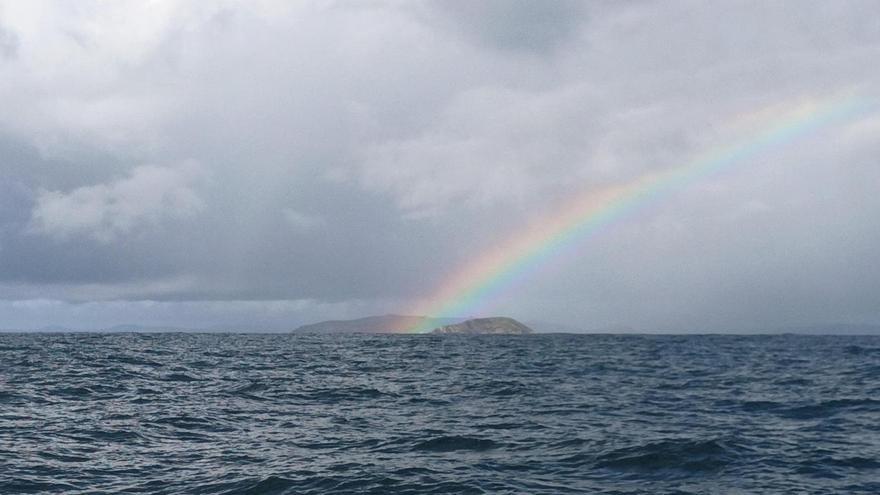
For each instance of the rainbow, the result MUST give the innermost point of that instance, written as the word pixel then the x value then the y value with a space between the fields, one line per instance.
pixel 494 272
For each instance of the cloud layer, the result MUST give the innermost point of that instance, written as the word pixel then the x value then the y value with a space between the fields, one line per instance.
pixel 333 157
pixel 147 198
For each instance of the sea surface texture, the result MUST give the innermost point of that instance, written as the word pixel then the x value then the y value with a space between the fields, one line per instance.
pixel 544 414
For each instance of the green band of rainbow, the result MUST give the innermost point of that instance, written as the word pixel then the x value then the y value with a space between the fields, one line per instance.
pixel 494 272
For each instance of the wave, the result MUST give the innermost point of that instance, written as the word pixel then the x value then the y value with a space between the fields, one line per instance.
pixel 685 455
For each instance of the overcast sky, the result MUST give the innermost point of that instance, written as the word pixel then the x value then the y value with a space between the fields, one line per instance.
pixel 204 163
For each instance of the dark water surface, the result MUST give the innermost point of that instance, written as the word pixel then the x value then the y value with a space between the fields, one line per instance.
pixel 228 414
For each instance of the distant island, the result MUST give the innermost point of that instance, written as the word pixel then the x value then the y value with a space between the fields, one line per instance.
pixel 405 323
pixel 499 325
pixel 377 324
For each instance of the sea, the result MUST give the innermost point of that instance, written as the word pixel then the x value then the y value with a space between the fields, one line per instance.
pixel 179 413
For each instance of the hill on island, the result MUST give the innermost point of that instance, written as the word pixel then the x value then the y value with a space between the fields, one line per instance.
pixel 499 325
pixel 377 324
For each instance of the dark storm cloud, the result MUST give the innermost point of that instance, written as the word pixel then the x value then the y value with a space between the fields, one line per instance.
pixel 182 163
pixel 531 25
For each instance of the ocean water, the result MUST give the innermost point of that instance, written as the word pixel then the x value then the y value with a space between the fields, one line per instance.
pixel 554 414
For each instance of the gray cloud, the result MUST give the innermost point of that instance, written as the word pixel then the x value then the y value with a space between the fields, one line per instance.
pixel 8 44
pixel 105 212
pixel 530 25
pixel 352 157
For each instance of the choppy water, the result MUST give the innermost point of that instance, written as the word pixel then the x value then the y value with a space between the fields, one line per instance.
pixel 225 414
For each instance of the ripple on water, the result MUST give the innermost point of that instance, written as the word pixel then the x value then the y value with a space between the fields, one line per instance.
pixel 454 443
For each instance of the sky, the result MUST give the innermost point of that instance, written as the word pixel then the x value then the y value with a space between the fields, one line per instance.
pixel 263 163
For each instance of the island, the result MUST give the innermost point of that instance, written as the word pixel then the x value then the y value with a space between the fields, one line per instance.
pixel 390 323
pixel 498 325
